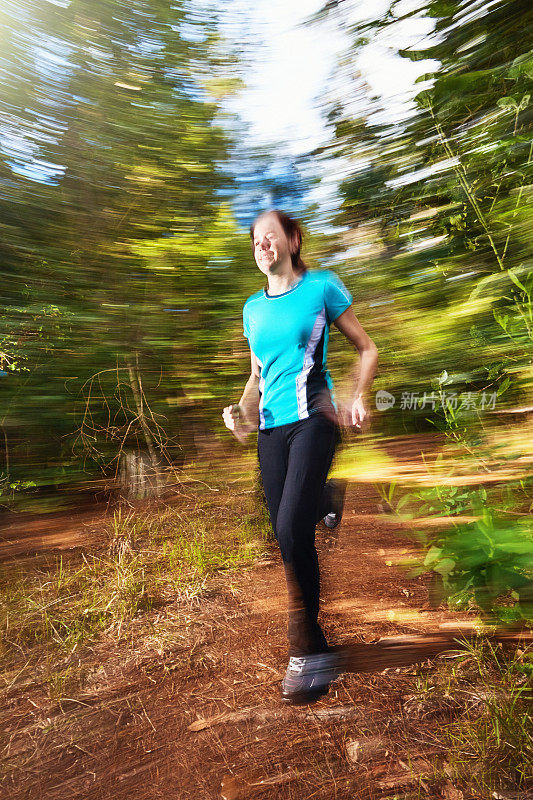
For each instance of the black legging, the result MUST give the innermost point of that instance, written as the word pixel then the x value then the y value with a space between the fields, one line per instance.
pixel 294 461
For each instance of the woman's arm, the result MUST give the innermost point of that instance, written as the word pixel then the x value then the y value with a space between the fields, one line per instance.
pixel 249 402
pixel 349 325
pixel 243 417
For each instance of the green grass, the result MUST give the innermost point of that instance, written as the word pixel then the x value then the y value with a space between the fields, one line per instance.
pixel 491 744
pixel 146 561
pixel 67 605
pixel 483 700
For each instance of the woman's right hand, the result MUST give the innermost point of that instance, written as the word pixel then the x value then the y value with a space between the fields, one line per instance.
pixel 235 421
pixel 354 417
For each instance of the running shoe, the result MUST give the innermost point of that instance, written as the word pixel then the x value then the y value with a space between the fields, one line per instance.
pixel 338 492
pixel 309 677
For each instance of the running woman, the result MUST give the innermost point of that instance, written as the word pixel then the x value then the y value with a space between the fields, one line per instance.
pixel 289 400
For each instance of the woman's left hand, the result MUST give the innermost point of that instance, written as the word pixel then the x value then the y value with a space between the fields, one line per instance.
pixel 360 414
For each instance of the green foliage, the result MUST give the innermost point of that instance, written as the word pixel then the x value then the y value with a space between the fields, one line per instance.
pixel 438 203
pixel 115 235
pixel 448 500
pixel 488 561
pixel 446 194
pixel 123 270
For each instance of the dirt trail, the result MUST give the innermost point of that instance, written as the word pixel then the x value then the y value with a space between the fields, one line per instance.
pixel 191 707
pixel 30 535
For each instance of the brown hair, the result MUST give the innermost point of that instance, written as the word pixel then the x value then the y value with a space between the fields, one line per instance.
pixel 293 233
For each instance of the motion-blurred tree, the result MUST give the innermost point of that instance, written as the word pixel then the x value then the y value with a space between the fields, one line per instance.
pixel 449 186
pixel 114 237
pixel 446 190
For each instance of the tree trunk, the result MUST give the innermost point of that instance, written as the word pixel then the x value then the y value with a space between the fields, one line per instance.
pixel 137 477
pixel 139 472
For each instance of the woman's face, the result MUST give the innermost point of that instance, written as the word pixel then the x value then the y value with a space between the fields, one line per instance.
pixel 271 246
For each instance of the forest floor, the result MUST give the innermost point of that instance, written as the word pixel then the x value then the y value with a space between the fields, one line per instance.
pixel 186 705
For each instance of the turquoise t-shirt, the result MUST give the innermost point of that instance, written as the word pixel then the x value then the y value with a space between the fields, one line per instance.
pixel 288 334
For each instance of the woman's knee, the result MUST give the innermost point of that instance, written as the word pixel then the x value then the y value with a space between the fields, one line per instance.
pixel 296 538
pixel 285 542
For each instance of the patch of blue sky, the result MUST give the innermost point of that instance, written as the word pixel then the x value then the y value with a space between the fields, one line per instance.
pixel 16 10
pixel 293 67
pixel 55 54
pixel 37 170
pixel 191 31
pixel 22 155
pixel 49 128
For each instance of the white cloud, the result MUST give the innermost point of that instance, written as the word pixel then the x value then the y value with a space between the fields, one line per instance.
pixel 294 64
